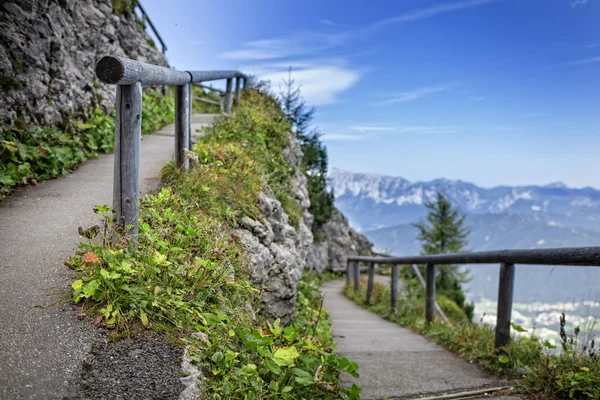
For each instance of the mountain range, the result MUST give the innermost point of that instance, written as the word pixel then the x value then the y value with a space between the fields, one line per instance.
pixel 504 217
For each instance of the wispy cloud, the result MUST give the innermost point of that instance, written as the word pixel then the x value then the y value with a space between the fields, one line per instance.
pixel 591 45
pixel 432 12
pixel 477 98
pixel 579 3
pixel 329 22
pixel 417 93
pixel 340 137
pixel 363 132
pixel 270 49
pixel 584 61
pixel 304 43
pixel 320 82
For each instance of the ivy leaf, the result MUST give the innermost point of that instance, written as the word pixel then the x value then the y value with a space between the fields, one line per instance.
pixel 77 284
pixel 285 356
pixel 274 368
pixel 144 318
pixel 503 358
pixel 518 328
pixel 217 357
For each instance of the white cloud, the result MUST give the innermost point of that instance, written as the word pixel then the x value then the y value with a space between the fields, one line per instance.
pixel 432 12
pixel 295 45
pixel 370 131
pixel 579 3
pixel 417 93
pixel 367 129
pixel 477 98
pixel 345 137
pixel 584 61
pixel 320 83
pixel 329 22
pixel 310 43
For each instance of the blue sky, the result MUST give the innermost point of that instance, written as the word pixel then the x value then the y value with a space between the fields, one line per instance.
pixel 489 91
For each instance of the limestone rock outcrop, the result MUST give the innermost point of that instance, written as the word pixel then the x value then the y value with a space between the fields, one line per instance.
pixel 48 51
pixel 340 240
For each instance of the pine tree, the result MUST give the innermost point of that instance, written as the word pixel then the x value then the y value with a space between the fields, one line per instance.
pixel 314 161
pixel 442 233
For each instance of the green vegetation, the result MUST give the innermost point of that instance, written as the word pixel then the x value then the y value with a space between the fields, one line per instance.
pixel 39 154
pixel 314 161
pixel 188 273
pixel 122 6
pixel 199 107
pixel 540 371
pixel 443 233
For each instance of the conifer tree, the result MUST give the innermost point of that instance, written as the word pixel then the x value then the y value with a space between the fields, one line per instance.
pixel 314 161
pixel 444 232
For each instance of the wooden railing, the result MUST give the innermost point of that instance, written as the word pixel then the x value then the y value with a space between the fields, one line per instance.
pixel 129 76
pixel 572 256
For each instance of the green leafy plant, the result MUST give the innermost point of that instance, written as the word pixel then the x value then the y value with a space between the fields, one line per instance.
pixel 28 155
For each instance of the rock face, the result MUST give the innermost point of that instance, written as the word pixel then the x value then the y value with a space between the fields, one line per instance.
pixel 48 51
pixel 340 240
pixel 275 249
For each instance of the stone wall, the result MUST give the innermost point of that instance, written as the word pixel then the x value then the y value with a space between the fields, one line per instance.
pixel 339 241
pixel 48 51
pixel 276 250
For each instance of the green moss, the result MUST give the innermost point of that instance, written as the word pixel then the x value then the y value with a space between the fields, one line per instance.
pixel 122 6
pixel 10 82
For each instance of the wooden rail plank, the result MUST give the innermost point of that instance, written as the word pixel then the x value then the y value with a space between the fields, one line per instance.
pixel 116 70
pixel 183 115
pixel 356 276
pixel 394 288
pixel 128 137
pixel 575 256
pixel 505 300
pixel 430 293
pixel 370 282
pixel 228 96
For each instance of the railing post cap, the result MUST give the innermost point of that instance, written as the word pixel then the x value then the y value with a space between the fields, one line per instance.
pixel 110 69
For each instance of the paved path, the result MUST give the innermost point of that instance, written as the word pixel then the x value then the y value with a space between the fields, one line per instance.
pixel 395 362
pixel 41 342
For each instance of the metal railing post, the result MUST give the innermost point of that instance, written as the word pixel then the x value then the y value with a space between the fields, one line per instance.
pixel 237 91
pixel 430 293
pixel 394 288
pixel 505 300
pixel 356 276
pixel 182 125
pixel 370 282
pixel 245 82
pixel 128 136
pixel 228 96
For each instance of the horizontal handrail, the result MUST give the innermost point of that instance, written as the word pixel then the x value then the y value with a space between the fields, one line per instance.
pixel 573 256
pixel 205 76
pixel 117 70
pixel 567 256
pixel 207 87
